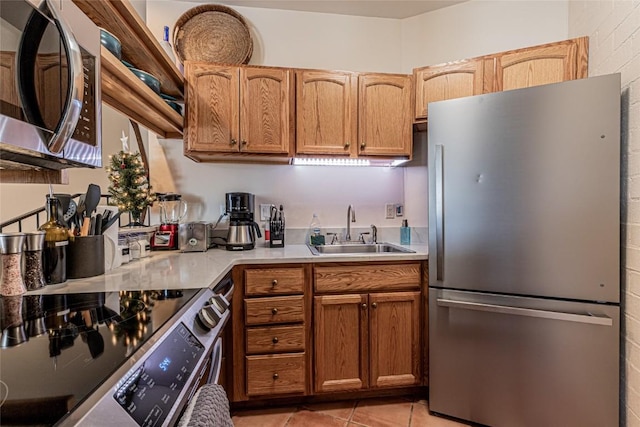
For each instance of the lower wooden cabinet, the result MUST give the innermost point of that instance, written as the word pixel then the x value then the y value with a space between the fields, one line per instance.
pixel 275 374
pixel 358 328
pixel 367 341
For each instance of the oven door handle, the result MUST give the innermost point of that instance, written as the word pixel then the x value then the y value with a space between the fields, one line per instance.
pixel 216 363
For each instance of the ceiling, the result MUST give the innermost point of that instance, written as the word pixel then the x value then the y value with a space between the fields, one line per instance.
pixel 397 9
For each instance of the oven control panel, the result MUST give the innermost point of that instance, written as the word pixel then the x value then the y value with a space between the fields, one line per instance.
pixel 149 392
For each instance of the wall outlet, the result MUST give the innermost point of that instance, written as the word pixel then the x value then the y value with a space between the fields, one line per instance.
pixel 390 209
pixel 265 212
pixel 399 210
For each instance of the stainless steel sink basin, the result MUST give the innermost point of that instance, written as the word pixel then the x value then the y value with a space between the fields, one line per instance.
pixel 357 248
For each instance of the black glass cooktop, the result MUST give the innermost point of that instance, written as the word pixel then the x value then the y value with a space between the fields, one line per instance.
pixel 56 349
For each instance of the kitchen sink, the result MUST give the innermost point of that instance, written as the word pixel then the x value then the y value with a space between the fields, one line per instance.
pixel 357 248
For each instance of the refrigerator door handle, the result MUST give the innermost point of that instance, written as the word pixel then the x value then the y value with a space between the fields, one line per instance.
pixel 439 199
pixel 529 312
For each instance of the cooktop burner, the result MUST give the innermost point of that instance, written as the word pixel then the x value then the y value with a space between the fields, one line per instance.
pixel 56 349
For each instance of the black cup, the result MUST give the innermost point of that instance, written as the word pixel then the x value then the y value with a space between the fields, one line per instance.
pixel 85 257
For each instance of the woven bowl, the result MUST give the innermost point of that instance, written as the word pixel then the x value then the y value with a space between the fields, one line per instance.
pixel 212 33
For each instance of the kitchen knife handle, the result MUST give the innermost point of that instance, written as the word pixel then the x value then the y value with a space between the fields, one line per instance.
pixel 439 202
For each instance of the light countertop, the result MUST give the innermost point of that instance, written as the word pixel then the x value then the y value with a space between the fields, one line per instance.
pixel 176 270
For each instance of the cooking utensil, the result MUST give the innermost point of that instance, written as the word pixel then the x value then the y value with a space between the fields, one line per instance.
pixel 97 229
pixel 92 199
pixel 110 222
pixel 70 213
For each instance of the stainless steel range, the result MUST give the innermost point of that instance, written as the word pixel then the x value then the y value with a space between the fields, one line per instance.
pixel 117 358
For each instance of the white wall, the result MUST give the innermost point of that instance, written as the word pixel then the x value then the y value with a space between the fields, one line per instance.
pixel 480 27
pixel 614 47
pixel 314 40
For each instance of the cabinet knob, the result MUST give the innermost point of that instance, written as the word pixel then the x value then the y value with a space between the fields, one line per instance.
pixel 275 340
pixel 364 306
pixel 363 145
pixel 274 311
pixel 275 376
pixel 274 282
pixel 244 142
pixel 233 142
pixel 374 305
pixel 347 145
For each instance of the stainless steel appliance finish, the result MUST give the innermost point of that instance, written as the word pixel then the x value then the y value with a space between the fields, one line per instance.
pixel 50 102
pixel 102 407
pixel 194 237
pixel 524 255
pixel 242 228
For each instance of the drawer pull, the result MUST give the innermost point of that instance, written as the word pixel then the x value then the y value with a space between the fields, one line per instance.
pixel 275 376
pixel 374 305
pixel 364 306
pixel 275 340
pixel 274 311
pixel 274 283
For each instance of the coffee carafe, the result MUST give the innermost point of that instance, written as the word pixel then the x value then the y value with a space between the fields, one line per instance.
pixel 242 228
pixel 172 210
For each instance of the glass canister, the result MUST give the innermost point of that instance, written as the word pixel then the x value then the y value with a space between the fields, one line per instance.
pixel 11 245
pixel 33 254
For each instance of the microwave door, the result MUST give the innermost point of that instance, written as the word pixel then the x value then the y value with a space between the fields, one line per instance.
pixel 50 77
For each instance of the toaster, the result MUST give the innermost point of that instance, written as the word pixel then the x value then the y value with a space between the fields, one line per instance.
pixel 193 237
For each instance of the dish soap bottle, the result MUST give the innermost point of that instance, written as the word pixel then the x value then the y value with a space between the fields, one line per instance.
pixel 315 238
pixel 56 239
pixel 405 233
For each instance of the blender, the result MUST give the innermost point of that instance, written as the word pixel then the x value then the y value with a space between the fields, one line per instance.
pixel 172 211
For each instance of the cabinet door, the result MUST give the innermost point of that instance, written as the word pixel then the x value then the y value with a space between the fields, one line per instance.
pixel 341 357
pixel 395 339
pixel 384 115
pixel 265 110
pixel 550 63
pixel 447 81
pixel 211 122
pixel 326 112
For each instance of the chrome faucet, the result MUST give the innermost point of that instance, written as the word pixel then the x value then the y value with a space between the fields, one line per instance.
pixel 351 217
pixel 374 234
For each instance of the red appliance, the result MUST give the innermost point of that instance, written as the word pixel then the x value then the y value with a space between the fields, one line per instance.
pixel 166 237
pixel 172 211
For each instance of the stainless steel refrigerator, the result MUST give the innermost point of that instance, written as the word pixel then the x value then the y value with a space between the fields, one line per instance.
pixel 524 258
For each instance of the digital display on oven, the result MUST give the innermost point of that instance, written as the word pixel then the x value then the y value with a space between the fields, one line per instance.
pixel 149 393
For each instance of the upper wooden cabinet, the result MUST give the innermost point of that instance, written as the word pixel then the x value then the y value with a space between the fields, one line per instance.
pixel 384 115
pixel 326 112
pixel 514 69
pixel 350 114
pixel 233 110
pixel 447 81
pixel 539 65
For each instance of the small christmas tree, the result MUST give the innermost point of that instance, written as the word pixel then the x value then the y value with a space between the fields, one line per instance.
pixel 129 189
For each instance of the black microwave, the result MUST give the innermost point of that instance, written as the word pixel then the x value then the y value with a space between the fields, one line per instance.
pixel 50 103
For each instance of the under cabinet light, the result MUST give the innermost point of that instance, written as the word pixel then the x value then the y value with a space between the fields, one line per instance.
pixel 299 161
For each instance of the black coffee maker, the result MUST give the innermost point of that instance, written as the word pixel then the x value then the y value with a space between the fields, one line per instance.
pixel 242 228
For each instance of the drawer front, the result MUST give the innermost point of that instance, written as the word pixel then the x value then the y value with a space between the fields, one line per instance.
pixel 275 339
pixel 275 374
pixel 356 278
pixel 261 311
pixel 274 281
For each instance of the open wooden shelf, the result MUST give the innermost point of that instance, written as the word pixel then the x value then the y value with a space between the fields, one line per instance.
pixel 139 47
pixel 125 92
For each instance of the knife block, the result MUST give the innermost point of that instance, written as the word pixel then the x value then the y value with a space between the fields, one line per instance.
pixel 276 234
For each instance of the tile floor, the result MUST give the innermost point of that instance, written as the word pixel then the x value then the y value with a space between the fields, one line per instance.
pixel 387 412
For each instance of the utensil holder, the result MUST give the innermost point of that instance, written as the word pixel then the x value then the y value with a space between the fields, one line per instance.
pixel 276 234
pixel 85 257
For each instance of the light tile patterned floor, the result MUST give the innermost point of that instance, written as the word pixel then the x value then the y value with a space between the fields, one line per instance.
pixel 387 412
